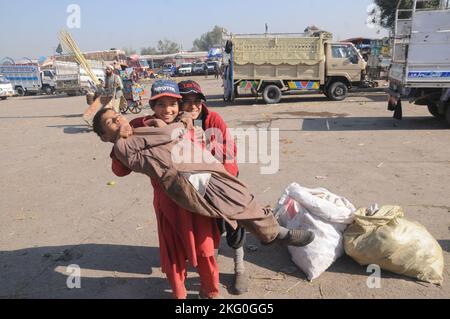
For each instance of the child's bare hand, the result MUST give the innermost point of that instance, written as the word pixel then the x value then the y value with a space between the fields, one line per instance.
pixel 125 130
pixel 156 123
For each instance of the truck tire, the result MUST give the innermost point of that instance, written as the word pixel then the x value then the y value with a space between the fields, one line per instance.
pixel 3 98
pixel 433 109
pixel 48 90
pixel 20 91
pixel 272 94
pixel 337 91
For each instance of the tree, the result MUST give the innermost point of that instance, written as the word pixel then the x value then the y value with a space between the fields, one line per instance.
pixel 168 47
pixel 129 51
pixel 209 39
pixel 149 51
pixel 389 7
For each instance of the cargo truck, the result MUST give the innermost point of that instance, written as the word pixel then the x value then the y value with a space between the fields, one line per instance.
pixel 420 70
pixel 25 78
pixel 274 64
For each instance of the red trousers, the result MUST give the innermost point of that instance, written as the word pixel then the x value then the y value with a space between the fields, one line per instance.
pixel 209 277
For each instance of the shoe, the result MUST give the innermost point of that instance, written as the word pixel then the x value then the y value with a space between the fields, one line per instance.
pixel 240 286
pixel 298 238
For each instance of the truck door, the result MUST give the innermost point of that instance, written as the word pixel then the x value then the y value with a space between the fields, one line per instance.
pixel 344 60
pixel 48 78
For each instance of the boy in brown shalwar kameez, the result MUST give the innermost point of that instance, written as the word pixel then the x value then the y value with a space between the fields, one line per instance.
pixel 204 187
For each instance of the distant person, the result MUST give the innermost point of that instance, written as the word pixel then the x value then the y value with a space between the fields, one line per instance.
pixel 216 70
pixel 205 68
pixel 113 88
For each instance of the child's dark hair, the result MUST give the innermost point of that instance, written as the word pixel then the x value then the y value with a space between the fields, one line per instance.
pixel 97 122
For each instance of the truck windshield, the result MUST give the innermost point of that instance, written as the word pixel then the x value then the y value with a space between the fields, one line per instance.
pixel 3 80
pixel 344 52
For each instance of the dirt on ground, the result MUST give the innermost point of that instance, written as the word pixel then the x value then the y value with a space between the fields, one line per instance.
pixel 61 205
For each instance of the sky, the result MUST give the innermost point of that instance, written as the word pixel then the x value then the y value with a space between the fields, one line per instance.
pixel 29 28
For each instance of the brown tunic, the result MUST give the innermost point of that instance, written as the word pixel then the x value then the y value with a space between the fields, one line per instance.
pixel 155 152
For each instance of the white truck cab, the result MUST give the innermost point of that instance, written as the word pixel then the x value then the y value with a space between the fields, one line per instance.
pixel 6 88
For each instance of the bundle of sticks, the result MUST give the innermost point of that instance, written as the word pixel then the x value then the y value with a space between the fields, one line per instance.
pixel 69 45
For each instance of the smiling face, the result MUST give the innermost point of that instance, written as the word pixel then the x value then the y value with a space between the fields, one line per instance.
pixel 111 123
pixel 192 103
pixel 166 108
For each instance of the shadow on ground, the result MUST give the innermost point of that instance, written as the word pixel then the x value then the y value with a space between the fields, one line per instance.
pixel 73 129
pixel 372 124
pixel 40 272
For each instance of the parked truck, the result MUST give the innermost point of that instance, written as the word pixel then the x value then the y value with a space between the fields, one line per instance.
pixel 31 79
pixel 67 78
pixel 273 64
pixel 98 68
pixel 420 70
pixel 25 78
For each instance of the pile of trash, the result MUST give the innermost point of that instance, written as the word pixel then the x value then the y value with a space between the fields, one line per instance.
pixel 380 236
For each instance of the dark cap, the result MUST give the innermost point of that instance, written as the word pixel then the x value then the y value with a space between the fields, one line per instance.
pixel 191 87
pixel 163 88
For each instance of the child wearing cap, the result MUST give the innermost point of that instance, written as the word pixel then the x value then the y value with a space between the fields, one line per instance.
pixel 222 146
pixel 225 197
pixel 182 235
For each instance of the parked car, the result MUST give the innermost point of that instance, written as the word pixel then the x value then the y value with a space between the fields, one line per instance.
pixel 185 69
pixel 212 67
pixel 199 68
pixel 169 69
pixel 6 88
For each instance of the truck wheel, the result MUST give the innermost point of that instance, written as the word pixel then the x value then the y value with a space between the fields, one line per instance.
pixel 272 94
pixel 20 91
pixel 433 109
pixel 3 98
pixel 48 90
pixel 337 91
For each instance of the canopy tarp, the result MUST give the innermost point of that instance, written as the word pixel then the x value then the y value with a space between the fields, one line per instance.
pixel 277 50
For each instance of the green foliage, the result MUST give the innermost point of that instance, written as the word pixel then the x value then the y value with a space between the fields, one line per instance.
pixel 164 46
pixel 209 39
pixel 388 8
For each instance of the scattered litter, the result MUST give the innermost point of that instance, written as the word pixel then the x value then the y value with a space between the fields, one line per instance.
pixel 139 227
pixel 321 291
pixel 269 288
pixel 321 177
pixel 362 144
pixel 298 283
pixel 380 165
pixel 280 276
pixel 112 183
pixel 266 190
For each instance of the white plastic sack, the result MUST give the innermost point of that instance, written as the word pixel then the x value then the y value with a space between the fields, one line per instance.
pixel 319 211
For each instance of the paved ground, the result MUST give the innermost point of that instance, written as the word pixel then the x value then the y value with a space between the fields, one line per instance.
pixel 57 209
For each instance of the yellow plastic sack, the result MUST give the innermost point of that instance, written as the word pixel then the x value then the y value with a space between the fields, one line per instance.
pixel 395 244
